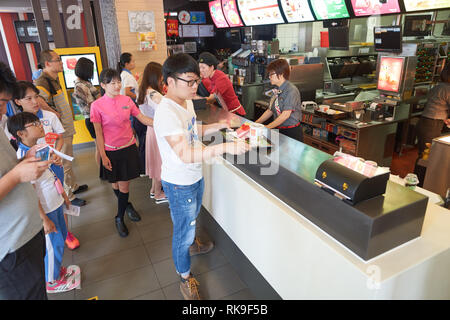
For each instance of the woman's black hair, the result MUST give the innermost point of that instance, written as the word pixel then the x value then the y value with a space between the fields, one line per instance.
pixel 84 69
pixel 108 75
pixel 8 82
pixel 178 64
pixel 19 121
pixel 22 88
pixel 124 58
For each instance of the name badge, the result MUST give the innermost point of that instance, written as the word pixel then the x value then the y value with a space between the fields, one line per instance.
pixel 125 107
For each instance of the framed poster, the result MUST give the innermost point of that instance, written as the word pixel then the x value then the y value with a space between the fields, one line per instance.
pixel 141 21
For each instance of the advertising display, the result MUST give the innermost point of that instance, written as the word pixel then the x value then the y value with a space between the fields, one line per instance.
pixel 329 9
pixel 198 17
pixel 172 27
pixel 370 7
pixel 415 5
pixel 260 12
pixel 215 8
pixel 69 62
pixel 390 74
pixel 297 10
pixel 231 13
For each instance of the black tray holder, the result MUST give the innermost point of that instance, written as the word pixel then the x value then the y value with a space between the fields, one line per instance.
pixel 357 187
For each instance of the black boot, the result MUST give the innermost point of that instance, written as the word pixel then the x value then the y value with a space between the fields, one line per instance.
pixel 121 227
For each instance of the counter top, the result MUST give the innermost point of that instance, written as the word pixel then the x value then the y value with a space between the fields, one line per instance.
pixel 293 183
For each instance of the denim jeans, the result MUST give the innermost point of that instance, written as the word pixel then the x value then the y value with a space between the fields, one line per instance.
pixel 185 203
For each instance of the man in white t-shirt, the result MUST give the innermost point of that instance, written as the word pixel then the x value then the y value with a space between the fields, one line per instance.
pixel 182 153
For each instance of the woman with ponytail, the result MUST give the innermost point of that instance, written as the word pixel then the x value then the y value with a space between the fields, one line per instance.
pixel 130 88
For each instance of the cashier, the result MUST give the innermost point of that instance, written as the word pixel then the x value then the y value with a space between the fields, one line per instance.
pixel 285 102
pixel 436 115
pixel 218 84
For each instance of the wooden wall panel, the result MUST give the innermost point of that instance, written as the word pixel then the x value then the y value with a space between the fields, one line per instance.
pixel 129 41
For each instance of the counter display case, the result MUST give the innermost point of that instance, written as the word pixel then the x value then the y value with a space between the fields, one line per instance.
pixel 307 243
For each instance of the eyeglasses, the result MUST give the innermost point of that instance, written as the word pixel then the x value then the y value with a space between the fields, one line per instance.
pixel 34 124
pixel 191 83
pixel 271 74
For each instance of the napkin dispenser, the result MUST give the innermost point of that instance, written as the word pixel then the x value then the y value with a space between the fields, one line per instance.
pixel 347 184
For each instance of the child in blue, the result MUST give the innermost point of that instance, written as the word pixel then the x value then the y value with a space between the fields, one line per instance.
pixel 27 130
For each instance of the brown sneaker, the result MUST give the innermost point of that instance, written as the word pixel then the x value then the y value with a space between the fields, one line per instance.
pixel 200 248
pixel 189 288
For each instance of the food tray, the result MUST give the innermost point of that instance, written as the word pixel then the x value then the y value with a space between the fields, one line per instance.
pixel 269 143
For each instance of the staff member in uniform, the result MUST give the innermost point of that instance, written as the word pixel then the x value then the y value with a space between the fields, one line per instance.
pixel 285 102
pixel 218 84
pixel 436 113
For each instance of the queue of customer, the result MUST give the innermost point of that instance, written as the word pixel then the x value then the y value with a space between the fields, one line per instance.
pixel 173 153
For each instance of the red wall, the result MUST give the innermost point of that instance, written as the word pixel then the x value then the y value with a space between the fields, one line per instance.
pixel 17 50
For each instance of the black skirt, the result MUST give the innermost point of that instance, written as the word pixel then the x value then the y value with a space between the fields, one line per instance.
pixel 125 165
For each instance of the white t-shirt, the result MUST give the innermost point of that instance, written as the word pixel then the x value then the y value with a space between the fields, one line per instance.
pixel 149 106
pixel 46 191
pixel 128 80
pixel 49 121
pixel 171 119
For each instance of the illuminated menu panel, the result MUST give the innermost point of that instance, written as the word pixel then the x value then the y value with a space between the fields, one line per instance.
pixel 415 5
pixel 259 12
pixel 297 10
pixel 231 13
pixel 215 8
pixel 390 74
pixel 369 7
pixel 329 9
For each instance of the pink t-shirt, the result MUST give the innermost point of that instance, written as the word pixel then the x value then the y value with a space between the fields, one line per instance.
pixel 114 116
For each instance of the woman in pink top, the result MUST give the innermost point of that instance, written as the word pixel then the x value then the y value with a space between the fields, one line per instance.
pixel 116 144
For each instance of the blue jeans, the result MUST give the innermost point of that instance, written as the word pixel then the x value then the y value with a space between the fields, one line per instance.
pixel 185 203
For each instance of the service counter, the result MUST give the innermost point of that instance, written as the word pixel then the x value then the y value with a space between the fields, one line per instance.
pixel 308 244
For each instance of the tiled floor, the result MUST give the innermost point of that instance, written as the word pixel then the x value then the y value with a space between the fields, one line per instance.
pixel 138 266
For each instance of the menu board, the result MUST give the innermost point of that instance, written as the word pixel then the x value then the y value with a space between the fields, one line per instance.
pixel 206 30
pixel 297 10
pixel 215 8
pixel 231 13
pixel 390 74
pixel 369 7
pixel 329 9
pixel 190 31
pixel 415 5
pixel 259 12
pixel 69 63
